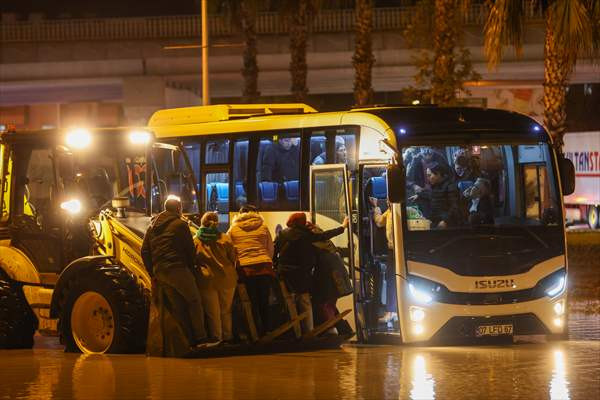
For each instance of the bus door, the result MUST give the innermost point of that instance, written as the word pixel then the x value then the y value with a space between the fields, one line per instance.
pixel 329 205
pixel 378 292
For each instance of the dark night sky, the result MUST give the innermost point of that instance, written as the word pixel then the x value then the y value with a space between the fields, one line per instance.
pixel 126 8
pixel 101 8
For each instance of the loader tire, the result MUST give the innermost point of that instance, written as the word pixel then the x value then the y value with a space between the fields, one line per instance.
pixel 18 323
pixel 104 310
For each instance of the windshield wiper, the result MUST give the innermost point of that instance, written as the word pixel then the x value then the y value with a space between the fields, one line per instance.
pixel 535 236
pixel 461 237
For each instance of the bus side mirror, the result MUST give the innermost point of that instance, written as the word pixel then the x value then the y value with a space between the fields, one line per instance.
pixel 567 175
pixel 396 186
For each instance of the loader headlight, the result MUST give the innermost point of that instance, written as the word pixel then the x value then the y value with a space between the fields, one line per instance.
pixel 79 138
pixel 139 137
pixel 71 206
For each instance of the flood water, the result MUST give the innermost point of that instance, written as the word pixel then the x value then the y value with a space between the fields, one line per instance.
pixel 553 370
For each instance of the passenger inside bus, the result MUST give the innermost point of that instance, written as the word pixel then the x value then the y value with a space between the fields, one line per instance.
pixel 278 173
pixel 494 185
pixel 340 151
pixel 441 197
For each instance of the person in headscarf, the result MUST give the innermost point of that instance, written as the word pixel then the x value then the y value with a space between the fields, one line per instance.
pixel 216 254
pixel 296 258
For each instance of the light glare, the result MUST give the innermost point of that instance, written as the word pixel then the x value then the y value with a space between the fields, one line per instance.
pixel 139 137
pixel 556 289
pixel 419 295
pixel 558 308
pixel 71 206
pixel 78 138
pixel 417 314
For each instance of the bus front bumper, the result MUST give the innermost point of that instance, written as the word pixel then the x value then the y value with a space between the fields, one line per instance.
pixel 448 323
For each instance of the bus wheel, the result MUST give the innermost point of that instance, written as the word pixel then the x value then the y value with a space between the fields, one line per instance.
pixel 104 310
pixel 18 323
pixel 593 218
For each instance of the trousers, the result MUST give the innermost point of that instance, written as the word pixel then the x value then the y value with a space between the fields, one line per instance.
pixel 182 280
pixel 217 306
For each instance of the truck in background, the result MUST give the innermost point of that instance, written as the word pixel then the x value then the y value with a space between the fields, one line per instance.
pixel 583 149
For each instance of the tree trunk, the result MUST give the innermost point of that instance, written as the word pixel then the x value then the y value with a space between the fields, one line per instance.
pixel 444 41
pixel 298 25
pixel 556 73
pixel 363 59
pixel 250 92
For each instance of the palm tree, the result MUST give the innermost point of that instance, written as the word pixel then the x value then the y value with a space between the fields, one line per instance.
pixel 572 32
pixel 298 14
pixel 363 58
pixel 443 70
pixel 243 14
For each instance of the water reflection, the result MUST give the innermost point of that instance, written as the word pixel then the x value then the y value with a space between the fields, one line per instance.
pixel 423 383
pixel 556 371
pixel 559 386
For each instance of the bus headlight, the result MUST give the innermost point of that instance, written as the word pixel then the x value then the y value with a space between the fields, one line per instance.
pixel 78 138
pixel 71 206
pixel 417 314
pixel 557 286
pixel 419 295
pixel 558 308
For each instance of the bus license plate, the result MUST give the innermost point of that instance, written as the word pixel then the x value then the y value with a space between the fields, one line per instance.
pixel 494 330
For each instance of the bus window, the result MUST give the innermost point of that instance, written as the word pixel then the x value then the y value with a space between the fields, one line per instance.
pixel 217 196
pixel 333 147
pixel 193 152
pixel 240 176
pixel 318 147
pixel 345 150
pixel 278 172
pixel 217 152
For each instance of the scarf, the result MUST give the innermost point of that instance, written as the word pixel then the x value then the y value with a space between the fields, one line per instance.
pixel 207 234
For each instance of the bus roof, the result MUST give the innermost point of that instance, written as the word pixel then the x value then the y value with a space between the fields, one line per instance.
pixel 210 120
pixel 411 122
pixel 399 123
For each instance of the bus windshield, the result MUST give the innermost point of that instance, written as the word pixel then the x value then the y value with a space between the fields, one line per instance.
pixel 488 202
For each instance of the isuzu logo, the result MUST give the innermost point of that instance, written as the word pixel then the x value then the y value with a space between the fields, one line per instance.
pixel 495 284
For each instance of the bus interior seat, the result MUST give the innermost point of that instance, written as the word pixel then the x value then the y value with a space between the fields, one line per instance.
pixel 239 190
pixel 292 192
pixel 378 186
pixel 268 193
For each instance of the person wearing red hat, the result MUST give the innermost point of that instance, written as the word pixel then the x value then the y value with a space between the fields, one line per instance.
pixel 296 258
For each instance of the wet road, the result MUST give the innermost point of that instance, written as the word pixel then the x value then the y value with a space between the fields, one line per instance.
pixel 554 370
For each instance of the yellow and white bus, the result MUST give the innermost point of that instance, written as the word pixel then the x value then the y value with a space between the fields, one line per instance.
pixel 479 255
